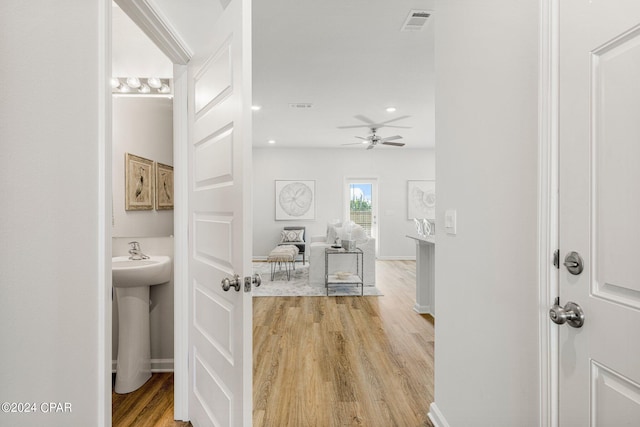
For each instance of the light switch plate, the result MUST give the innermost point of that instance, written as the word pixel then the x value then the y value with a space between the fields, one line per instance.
pixel 450 221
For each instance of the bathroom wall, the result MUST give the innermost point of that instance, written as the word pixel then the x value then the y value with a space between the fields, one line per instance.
pixel 160 308
pixel 142 126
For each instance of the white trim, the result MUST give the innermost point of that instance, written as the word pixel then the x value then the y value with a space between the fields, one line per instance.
pixel 104 216
pixel 436 417
pixel 157 365
pixel 156 26
pixel 422 309
pixel 181 245
pixel 396 258
pixel 548 211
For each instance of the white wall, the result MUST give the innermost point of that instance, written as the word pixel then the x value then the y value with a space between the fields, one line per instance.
pixel 142 126
pixel 486 353
pixel 329 168
pixel 51 264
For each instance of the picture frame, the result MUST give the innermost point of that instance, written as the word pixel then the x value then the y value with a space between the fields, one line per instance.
pixel 164 186
pixel 421 199
pixel 138 183
pixel 295 200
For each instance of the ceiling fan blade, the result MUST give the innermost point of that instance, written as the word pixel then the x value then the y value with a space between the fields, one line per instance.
pixel 365 119
pixel 391 138
pixel 353 126
pixel 394 120
pixel 370 146
pixel 354 143
pixel 396 127
pixel 397 144
pixel 362 137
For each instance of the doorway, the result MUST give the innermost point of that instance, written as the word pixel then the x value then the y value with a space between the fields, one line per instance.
pixel 142 126
pixel 361 204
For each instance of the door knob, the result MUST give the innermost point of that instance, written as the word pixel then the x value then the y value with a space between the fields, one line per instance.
pixel 573 262
pixel 571 314
pixel 228 283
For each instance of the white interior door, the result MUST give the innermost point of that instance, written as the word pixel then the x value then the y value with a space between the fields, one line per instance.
pixel 220 351
pixel 599 369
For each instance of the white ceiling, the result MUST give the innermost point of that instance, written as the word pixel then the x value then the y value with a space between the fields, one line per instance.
pixel 346 57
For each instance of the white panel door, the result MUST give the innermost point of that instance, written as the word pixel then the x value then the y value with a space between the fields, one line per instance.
pixel 220 351
pixel 600 210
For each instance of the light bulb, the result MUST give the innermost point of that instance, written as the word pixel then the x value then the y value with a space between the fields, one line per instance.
pixel 164 89
pixel 115 82
pixel 144 89
pixel 154 82
pixel 133 82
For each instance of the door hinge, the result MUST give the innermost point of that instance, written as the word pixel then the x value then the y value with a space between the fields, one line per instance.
pixel 556 258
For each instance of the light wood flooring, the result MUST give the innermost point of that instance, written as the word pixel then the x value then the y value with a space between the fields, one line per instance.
pixel 342 361
pixel 149 406
pixel 324 362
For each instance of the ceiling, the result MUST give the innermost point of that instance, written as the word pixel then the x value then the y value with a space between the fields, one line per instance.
pixel 349 59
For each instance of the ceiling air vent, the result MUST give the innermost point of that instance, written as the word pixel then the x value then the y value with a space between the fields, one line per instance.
pixel 301 106
pixel 416 20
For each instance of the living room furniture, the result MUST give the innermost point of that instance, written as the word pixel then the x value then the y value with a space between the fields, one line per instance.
pixel 297 238
pixel 317 245
pixel 343 278
pixel 283 255
pixel 425 274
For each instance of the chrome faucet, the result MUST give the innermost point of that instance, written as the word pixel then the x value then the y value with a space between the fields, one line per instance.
pixel 136 252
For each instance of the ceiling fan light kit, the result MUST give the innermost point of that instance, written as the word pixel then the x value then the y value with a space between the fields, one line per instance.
pixel 374 139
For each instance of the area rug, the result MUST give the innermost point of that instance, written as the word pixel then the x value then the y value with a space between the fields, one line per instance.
pixel 299 286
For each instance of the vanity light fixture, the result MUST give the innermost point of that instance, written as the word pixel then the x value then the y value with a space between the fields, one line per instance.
pixel 141 86
pixel 391 109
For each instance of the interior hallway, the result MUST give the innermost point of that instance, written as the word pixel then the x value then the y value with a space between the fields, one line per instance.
pixel 336 361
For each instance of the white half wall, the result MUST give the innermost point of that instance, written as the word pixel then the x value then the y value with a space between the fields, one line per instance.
pixel 329 168
pixel 486 353
pixel 142 126
pixel 52 258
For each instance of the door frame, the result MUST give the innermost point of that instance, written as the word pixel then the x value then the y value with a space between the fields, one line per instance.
pixel 162 34
pixel 346 196
pixel 548 221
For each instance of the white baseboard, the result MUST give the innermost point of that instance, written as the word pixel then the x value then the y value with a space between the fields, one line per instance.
pixel 396 258
pixel 422 309
pixel 157 365
pixel 436 417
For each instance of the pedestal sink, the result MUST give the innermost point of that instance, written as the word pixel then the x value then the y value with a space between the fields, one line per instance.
pixel 132 280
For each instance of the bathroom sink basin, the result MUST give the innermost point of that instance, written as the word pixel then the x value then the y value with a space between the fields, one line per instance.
pixel 128 273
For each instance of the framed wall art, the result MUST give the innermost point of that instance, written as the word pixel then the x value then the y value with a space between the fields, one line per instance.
pixel 164 186
pixel 295 200
pixel 421 199
pixel 138 181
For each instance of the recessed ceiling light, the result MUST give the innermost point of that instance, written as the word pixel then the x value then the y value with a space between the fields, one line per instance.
pixel 272 141
pixel 255 107
pixel 391 109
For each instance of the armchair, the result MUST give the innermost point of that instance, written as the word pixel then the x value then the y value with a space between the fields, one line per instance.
pixel 297 236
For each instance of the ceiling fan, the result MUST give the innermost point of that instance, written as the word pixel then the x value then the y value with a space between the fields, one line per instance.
pixel 375 139
pixel 371 124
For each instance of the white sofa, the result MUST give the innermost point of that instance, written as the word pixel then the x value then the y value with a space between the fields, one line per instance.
pixel 317 247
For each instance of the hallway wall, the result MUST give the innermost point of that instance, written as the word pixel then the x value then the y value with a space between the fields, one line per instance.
pixel 52 265
pixel 486 349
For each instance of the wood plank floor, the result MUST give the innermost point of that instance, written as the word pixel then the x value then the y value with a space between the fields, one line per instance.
pixel 149 406
pixel 324 362
pixel 341 361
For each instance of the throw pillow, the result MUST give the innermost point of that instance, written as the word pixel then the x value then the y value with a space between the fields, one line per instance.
pixel 292 236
